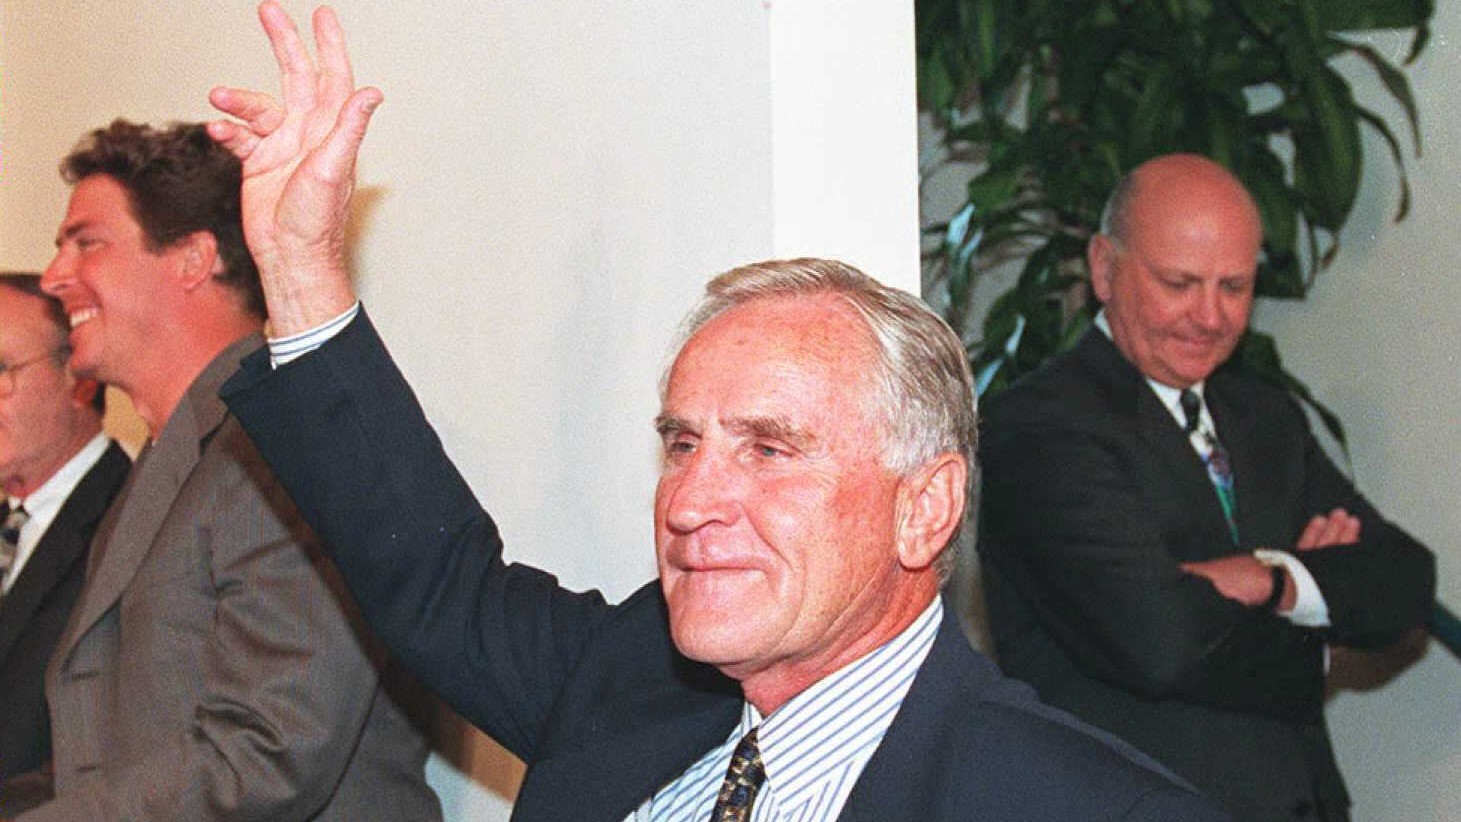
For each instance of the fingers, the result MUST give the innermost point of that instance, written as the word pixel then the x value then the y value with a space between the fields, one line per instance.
pixel 1309 537
pixel 258 110
pixel 337 154
pixel 296 69
pixel 1338 527
pixel 238 140
pixel 336 80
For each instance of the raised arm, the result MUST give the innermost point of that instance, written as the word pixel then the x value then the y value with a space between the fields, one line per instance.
pixel 298 158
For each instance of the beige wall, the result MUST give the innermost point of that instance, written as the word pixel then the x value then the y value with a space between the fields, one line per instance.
pixel 543 193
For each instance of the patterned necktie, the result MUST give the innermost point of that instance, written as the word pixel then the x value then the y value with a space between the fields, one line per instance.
pixel 10 540
pixel 742 780
pixel 1219 469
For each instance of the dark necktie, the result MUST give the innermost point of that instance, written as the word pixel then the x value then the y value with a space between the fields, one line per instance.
pixel 10 540
pixel 742 780
pixel 1219 469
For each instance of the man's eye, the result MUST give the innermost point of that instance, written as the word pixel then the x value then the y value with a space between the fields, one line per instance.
pixel 679 446
pixel 764 449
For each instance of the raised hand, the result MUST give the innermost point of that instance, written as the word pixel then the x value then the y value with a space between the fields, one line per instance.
pixel 298 159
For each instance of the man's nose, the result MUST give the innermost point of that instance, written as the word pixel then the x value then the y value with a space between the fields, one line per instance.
pixel 57 275
pixel 702 489
pixel 1209 313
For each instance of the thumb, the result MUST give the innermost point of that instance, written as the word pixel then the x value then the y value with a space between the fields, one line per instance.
pixel 337 154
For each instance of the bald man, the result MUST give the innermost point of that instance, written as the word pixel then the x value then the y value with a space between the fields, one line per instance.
pixel 1166 549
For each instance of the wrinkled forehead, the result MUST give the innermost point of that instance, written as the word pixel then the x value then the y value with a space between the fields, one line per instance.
pixel 817 340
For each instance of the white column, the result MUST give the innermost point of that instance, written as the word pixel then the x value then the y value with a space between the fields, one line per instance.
pixel 844 134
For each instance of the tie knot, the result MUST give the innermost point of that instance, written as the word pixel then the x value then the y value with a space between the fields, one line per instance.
pixel 15 519
pixel 10 538
pixel 1191 409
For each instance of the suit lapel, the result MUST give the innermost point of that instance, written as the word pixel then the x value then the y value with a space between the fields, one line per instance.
pixel 1132 398
pixel 55 555
pixel 900 781
pixel 62 546
pixel 608 777
pixel 1174 450
pixel 127 534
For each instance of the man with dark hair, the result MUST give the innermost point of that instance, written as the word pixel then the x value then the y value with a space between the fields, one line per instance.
pixel 213 668
pixel 58 472
pixel 177 184
pixel 1166 549
pixel 794 659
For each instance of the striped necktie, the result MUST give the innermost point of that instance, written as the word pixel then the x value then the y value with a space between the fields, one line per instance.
pixel 1219 469
pixel 15 519
pixel 742 780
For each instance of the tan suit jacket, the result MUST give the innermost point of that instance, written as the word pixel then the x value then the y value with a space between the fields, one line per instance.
pixel 211 669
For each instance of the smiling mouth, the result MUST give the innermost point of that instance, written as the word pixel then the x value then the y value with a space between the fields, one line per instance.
pixel 82 315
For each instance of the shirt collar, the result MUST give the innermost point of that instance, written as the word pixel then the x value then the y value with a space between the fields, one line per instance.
pixel 1170 397
pixel 54 491
pixel 46 502
pixel 843 717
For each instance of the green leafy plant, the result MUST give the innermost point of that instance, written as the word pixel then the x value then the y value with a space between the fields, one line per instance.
pixel 1053 100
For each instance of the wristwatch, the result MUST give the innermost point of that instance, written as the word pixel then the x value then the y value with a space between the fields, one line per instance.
pixel 1279 574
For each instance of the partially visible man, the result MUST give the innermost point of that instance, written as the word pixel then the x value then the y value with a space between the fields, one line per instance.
pixel 58 472
pixel 1166 549
pixel 212 669
pixel 794 661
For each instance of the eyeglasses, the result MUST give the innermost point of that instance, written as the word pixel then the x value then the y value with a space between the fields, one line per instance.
pixel 8 370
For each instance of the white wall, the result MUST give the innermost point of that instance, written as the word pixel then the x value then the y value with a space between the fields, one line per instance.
pixel 541 197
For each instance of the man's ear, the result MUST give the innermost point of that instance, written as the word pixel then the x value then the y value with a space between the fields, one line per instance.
pixel 931 509
pixel 200 260
pixel 1101 257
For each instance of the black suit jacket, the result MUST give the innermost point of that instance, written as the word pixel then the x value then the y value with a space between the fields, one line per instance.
pixel 34 613
pixel 1093 496
pixel 575 686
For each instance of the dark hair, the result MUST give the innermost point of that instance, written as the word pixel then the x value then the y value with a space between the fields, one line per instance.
pixel 29 283
pixel 178 181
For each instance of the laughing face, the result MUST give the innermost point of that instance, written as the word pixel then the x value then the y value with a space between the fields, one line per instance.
pixel 105 276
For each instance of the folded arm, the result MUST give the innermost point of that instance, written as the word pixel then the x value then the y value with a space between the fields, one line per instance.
pixel 1070 523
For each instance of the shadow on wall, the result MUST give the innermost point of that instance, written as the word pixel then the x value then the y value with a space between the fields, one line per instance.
pixel 474 755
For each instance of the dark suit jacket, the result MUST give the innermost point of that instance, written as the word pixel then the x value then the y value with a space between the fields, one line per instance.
pixel 573 686
pixel 211 669
pixel 1093 496
pixel 33 614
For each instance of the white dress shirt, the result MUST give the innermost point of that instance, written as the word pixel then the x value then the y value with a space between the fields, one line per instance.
pixel 1310 609
pixel 815 746
pixel 45 502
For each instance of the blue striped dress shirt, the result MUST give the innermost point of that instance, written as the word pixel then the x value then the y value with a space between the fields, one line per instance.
pixel 815 746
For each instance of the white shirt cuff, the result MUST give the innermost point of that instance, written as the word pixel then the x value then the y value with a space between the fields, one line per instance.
pixel 287 349
pixel 1310 610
